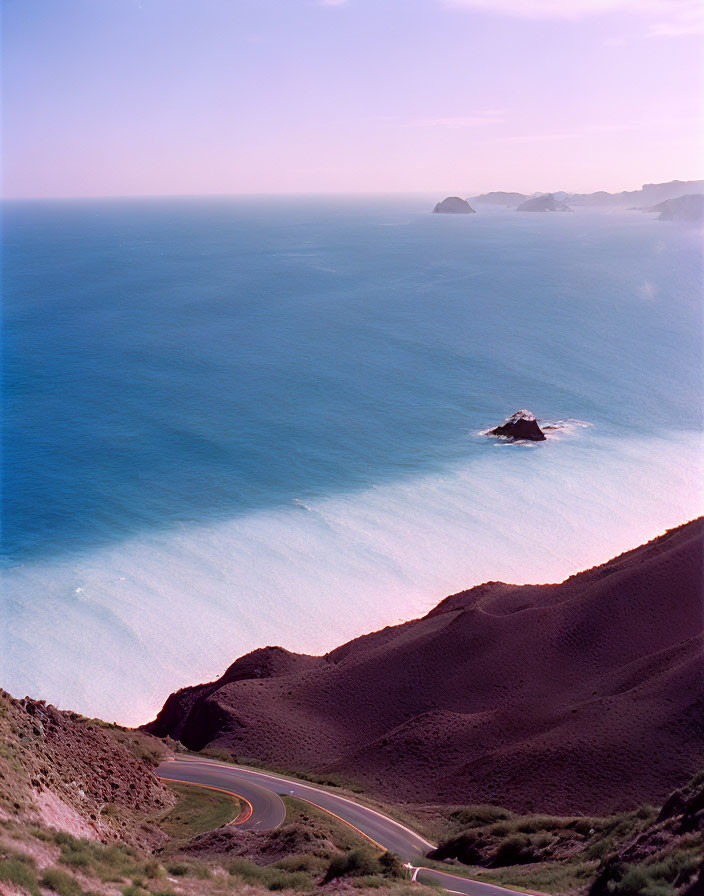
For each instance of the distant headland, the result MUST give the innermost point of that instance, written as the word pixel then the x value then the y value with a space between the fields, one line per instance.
pixel 688 208
pixel 546 203
pixel 647 196
pixel 675 200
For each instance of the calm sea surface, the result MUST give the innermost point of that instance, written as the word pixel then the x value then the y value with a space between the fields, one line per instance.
pixel 235 422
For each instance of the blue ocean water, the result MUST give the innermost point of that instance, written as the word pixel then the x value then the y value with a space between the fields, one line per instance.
pixel 187 382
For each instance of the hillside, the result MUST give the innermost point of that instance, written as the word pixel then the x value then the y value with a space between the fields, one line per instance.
pixel 689 208
pixel 500 197
pixel 579 697
pixel 546 203
pixel 649 194
pixel 62 770
pixel 82 814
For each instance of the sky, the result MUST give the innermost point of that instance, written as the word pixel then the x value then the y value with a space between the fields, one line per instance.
pixel 173 97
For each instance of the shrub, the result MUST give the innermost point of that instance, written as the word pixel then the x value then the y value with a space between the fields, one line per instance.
pixel 75 858
pixel 534 823
pixel 638 881
pixel 60 882
pixel 190 869
pixel 272 877
pixel 599 849
pixel 583 826
pixel 517 850
pixel 391 865
pixel 289 880
pixel 19 870
pixel 616 879
pixel 178 869
pixel 154 870
pixel 501 829
pixel 135 890
pixel 362 862
pixel 303 862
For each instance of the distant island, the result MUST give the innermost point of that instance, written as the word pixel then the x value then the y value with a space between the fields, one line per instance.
pixel 647 196
pixel 689 208
pixel 675 200
pixel 453 205
pixel 546 203
pixel 499 197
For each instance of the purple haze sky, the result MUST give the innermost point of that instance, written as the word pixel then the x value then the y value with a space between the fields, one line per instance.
pixel 131 97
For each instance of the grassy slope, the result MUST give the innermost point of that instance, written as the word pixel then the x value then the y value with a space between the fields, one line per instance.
pixel 198 810
pixel 144 848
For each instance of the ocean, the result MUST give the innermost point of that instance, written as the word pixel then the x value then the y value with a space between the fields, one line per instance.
pixel 236 422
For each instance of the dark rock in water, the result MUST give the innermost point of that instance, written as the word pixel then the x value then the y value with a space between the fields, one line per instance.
pixel 546 203
pixel 522 425
pixel 453 205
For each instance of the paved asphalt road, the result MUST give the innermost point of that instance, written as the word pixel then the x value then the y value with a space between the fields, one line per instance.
pixel 264 811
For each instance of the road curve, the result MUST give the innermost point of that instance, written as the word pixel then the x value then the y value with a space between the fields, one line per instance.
pixel 261 791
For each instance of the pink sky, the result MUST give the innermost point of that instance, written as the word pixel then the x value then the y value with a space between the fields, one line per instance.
pixel 132 97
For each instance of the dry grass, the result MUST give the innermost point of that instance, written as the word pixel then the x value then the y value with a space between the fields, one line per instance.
pixel 198 810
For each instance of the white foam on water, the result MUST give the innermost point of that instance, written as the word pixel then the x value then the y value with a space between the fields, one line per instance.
pixel 113 632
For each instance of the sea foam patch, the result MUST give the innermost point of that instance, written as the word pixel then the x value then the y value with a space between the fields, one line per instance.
pixel 112 632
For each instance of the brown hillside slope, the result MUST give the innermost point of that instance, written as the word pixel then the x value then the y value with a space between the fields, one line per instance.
pixel 584 696
pixel 77 775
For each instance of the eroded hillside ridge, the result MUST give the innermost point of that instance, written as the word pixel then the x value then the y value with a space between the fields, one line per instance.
pixel 580 697
pixel 78 775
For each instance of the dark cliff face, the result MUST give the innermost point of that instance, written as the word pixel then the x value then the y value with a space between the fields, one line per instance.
pixel 453 205
pixel 538 697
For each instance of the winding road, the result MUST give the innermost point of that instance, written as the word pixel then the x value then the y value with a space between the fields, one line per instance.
pixel 264 810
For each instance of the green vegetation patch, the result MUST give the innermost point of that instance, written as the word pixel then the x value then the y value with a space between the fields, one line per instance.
pixel 61 882
pixel 269 877
pixel 198 811
pixel 661 876
pixel 20 870
pixel 108 862
pixel 339 834
pixel 189 869
pixel 364 862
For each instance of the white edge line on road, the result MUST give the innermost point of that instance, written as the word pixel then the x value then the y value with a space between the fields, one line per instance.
pixel 273 777
pixel 315 790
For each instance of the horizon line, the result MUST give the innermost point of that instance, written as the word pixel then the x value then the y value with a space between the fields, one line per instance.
pixel 321 193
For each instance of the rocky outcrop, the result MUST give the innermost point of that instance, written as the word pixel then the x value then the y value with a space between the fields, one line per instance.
pixel 60 769
pixel 546 203
pixel 657 858
pixel 521 425
pixel 453 205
